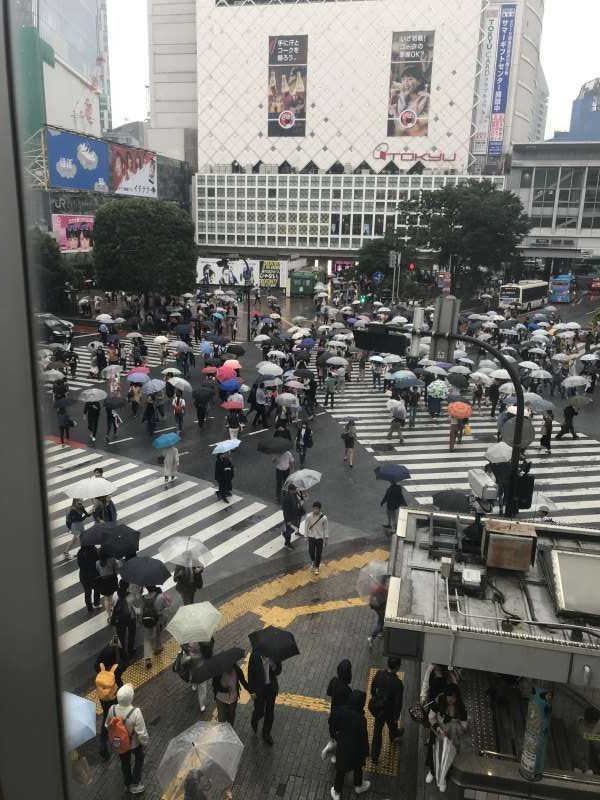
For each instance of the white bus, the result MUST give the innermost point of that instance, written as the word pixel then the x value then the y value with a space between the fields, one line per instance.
pixel 524 295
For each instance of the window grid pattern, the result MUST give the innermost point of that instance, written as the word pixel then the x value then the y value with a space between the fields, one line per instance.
pixel 328 212
pixel 564 198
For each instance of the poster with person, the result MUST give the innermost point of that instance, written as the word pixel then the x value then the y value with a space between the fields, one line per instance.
pixel 286 97
pixel 410 83
pixel 73 233
pixel 227 272
pixel 133 171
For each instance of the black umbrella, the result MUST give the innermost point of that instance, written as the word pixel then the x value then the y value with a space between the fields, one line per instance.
pixel 203 393
pixel 274 447
pixel 119 541
pixel 304 373
pixel 213 337
pixel 322 359
pixel 217 665
pixel 452 500
pixel 458 380
pixel 302 355
pixel 212 362
pixel 115 402
pixel 236 349
pixel 63 402
pixel 182 330
pixel 91 536
pixel 144 571
pixel 274 643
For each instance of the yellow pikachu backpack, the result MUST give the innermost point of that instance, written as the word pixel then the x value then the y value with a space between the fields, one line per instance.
pixel 106 683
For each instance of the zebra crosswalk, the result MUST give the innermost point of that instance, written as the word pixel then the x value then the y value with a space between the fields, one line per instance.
pixel 570 476
pixel 187 507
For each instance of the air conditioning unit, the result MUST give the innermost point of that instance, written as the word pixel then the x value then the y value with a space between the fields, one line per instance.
pixel 508 545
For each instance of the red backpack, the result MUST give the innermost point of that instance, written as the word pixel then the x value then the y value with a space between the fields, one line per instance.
pixel 118 736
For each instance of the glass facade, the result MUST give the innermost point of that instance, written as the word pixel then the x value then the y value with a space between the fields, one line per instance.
pixel 323 212
pixel 70 28
pixel 561 198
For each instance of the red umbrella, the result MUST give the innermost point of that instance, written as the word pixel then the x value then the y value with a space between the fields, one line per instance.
pixel 232 363
pixel 231 405
pixel 460 410
pixel 145 370
pixel 256 314
pixel 225 373
pixel 209 370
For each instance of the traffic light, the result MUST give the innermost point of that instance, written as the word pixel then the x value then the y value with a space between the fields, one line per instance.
pixel 412 266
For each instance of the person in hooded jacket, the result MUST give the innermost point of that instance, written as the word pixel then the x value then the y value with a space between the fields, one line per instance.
pixel 134 722
pixel 339 690
pixel 387 692
pixel 349 728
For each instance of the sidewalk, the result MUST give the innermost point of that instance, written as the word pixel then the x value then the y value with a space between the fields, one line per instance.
pixel 329 622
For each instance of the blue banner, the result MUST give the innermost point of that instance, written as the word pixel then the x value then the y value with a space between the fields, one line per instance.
pixel 76 161
pixel 508 15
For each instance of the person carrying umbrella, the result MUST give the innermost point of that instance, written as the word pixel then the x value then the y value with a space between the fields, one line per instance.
pixel 226 689
pixel 393 500
pixel 188 580
pixel 546 437
pixel 87 558
pixel 150 416
pixel 264 688
pixel 456 431
pixel 224 474
pixel 260 403
pixel 493 394
pixel 104 510
pixel 133 720
pixel 339 690
pixel 74 522
pixel 293 511
pixel 124 617
pixel 135 398
pixel 317 532
pixel 304 441
pixel 412 402
pixel 284 463
pixel 154 602
pixel 398 421
pixel 387 692
pixel 569 414
pixel 350 730
pixel 448 720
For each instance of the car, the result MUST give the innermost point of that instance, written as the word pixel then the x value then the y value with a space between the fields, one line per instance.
pixel 52 329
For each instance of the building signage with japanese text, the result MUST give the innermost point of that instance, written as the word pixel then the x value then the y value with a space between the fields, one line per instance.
pixel 508 15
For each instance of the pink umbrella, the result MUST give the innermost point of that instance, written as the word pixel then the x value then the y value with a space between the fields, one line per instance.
pixel 145 370
pixel 224 373
pixel 233 363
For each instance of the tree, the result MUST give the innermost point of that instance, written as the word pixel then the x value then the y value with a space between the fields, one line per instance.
pixel 53 271
pixel 144 246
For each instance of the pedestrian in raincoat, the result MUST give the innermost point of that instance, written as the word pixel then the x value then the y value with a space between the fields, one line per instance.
pixel 170 464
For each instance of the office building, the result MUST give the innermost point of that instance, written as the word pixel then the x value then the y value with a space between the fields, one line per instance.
pixel 585 116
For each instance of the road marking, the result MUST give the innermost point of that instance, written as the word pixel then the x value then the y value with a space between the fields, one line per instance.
pixel 118 441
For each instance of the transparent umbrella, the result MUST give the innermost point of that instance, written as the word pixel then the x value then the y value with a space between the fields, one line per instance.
pixel 444 753
pixel 498 453
pixel 304 479
pixel 371 576
pixel 80 720
pixel 194 623
pixel 204 759
pixel 186 552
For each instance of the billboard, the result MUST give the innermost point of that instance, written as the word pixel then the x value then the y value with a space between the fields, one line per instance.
pixel 410 83
pixel 508 14
pixel 286 93
pixel 76 161
pixel 270 274
pixel 73 233
pixel 226 272
pixel 485 81
pixel 133 171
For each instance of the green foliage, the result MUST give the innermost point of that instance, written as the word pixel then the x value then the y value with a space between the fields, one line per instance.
pixel 144 246
pixel 52 270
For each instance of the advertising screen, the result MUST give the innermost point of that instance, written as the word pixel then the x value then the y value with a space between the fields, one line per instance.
pixel 133 171
pixel 286 98
pixel 410 83
pixel 226 272
pixel 270 274
pixel 73 233
pixel 76 161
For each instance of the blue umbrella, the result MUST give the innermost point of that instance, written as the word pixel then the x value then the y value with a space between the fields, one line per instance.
pixel 308 342
pixel 154 385
pixel 80 720
pixel 218 315
pixel 206 348
pixel 408 383
pixel 351 320
pixel 443 364
pixel 226 446
pixel 166 440
pixel 138 377
pixel 392 472
pixel 232 385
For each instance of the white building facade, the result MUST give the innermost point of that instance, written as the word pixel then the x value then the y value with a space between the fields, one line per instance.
pixel 315 118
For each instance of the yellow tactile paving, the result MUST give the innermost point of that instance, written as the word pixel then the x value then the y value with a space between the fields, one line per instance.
pixel 389 758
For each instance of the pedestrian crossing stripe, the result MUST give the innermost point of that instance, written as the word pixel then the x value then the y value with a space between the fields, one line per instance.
pixel 187 507
pixel 570 476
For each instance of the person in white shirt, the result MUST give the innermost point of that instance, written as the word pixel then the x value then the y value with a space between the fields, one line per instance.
pixel 317 532
pixel 283 466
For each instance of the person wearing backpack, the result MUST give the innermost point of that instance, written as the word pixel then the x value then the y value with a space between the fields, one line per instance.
pixel 127 736
pixel 179 410
pixel 387 691
pixel 109 666
pixel 154 603
pixel 124 619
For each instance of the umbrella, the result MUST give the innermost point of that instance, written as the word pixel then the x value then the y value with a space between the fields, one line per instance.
pixel 537 404
pixel 507 388
pixel 111 371
pixel 512 409
pixel 337 361
pixel 217 665
pixel 460 410
pixel 138 377
pixel 303 479
pixel 181 347
pixel 287 399
pixel 392 472
pixel 226 446
pixel 292 384
pixel 275 354
pixel 578 401
pixel 80 720
pixel 262 337
pixel 392 359
pixel 435 370
pixel 299 320
pixel 451 500
pixel 275 446
pixel 590 357
pixel 402 374
pixel 144 571
pixel 203 393
pixel 304 373
pixel 379 359
pixel 459 370
pixel 528 365
pixel 153 386
pixel 541 502
pixel 53 375
pixel 500 375
pixel 371 577
pixel 119 541
pixel 459 381
pixel 225 374
pixel 574 381
pixel 194 623
pixel 92 395
pixel 486 363
pixel 91 346
pixel 104 318
pixel 438 389
pixel 498 453
pixel 236 349
pixel 231 385
pixel 171 371
pixel 274 643
pixel 271 370
pixel 115 402
pixel 166 440
pixel 186 552
pixel 161 339
pixel 444 753
pixel 180 383
pixel 232 405
pixel 541 374
pixel 201 762
pixel 89 488
pixel 209 370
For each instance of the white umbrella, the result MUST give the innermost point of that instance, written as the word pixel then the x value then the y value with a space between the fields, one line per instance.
pixel 500 375
pixel 566 334
pixel 80 720
pixel 180 383
pixel 161 340
pixel 590 357
pixel 226 446
pixel 262 337
pixel 444 753
pixel 458 354
pixel 561 357
pixel 134 335
pixel 304 479
pixel 104 318
pixel 487 362
pixel 392 359
pixel 435 370
pixel 270 370
pixel 89 488
pixel 507 388
pixel 513 410
pixel 92 395
pixel 426 362
pixel 111 371
pixel 186 552
pixel 480 377
pixel 378 359
pixel 371 576
pixel 528 365
pixel 573 326
pixel 194 623
pixel 383 310
pixel 53 375
pixel 539 333
pixel 287 399
pixel 460 370
pixel 574 381
pixel 171 371
pixel 294 385
pixel 337 361
pixel 399 320
pixel 498 453
pixel 275 354
pixel 541 374
pixel 539 351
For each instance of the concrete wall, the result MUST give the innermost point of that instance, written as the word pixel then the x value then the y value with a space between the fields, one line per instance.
pixel 68 94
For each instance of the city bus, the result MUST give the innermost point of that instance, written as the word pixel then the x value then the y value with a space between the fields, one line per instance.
pixel 562 288
pixel 524 295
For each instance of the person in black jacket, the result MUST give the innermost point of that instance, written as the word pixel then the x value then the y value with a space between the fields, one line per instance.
pixel 224 476
pixel 339 690
pixel 304 440
pixel 226 688
pixel 387 692
pixel 350 728
pixel 87 557
pixel 291 504
pixel 393 499
pixel 187 582
pixel 263 686
pixel 569 414
pixel 92 413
